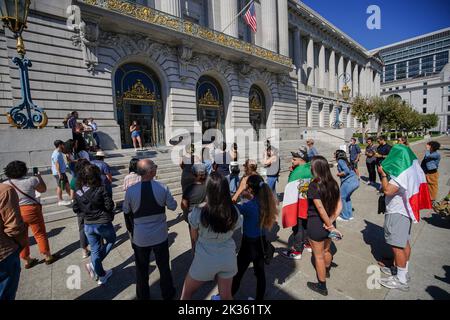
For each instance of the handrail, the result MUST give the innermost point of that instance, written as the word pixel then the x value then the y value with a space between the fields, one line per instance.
pixel 332 135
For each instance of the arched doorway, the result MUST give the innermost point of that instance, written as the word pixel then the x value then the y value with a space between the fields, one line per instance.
pixel 257 109
pixel 210 109
pixel 138 98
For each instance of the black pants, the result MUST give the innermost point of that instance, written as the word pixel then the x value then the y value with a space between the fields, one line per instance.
pixel 142 258
pixel 372 169
pixel 299 234
pixel 251 251
pixel 83 239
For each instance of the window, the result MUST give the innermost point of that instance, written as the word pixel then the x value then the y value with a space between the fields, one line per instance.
pixel 401 70
pixel 404 87
pixel 424 110
pixel 424 100
pixel 448 108
pixel 441 60
pixel 448 98
pixel 413 68
pixel 390 89
pixel 424 92
pixel 425 83
pixel 448 88
pixel 396 88
pixel 389 73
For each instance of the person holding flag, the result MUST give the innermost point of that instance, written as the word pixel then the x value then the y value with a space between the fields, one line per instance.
pixel 295 204
pixel 406 194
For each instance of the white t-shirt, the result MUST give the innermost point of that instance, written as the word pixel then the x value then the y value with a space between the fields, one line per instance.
pixel 26 185
pixel 398 203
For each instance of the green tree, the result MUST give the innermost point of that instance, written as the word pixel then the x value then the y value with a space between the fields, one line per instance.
pixel 386 112
pixel 362 110
pixel 429 121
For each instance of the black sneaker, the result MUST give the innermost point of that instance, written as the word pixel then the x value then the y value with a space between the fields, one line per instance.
pixel 315 287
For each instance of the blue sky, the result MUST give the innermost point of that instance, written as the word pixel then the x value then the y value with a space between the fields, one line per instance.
pixel 400 19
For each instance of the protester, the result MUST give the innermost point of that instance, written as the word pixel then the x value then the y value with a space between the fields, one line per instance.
pixel 132 177
pixel 59 169
pixel 207 160
pixel 349 183
pixel 371 161
pixel 259 216
pixel 195 194
pixel 250 169
pixel 405 197
pixel 136 136
pixel 95 206
pixel 222 160
pixel 324 206
pixel 147 223
pixel 212 228
pixel 312 151
pixel 94 127
pixel 72 121
pixel 383 150
pixel 99 161
pixel 186 163
pixel 30 209
pixel 234 169
pixel 430 165
pixel 13 237
pixel 79 166
pixel 271 163
pixel 403 140
pixel 294 213
pixel 88 134
pixel 355 153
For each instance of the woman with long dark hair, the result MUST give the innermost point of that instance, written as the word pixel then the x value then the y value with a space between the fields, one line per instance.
pixel 259 215
pixel 95 205
pixel 212 228
pixel 349 184
pixel 324 206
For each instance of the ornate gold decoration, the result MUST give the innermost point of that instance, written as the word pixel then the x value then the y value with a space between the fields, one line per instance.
pixel 208 100
pixel 255 104
pixel 138 92
pixel 159 18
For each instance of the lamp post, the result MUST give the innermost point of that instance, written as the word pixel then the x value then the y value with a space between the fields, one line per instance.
pixel 25 115
pixel 345 96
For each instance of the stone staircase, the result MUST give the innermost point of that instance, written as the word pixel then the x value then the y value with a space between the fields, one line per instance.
pixel 168 173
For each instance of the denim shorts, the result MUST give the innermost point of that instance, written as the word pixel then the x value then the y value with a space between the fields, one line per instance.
pixel 135 134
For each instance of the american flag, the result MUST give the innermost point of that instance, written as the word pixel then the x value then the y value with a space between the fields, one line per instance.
pixel 250 17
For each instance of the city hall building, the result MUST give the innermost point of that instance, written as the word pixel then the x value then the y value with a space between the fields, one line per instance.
pixel 169 63
pixel 417 70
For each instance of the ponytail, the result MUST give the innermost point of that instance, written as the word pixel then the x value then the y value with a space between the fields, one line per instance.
pixel 266 201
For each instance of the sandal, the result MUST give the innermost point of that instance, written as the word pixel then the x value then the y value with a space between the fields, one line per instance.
pixel 31 263
pixel 52 259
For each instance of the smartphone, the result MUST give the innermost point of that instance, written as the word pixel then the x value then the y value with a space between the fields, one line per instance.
pixel 334 235
pixel 35 170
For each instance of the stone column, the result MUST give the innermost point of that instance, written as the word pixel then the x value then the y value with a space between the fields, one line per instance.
pixel 355 89
pixel 332 71
pixel 362 84
pixel 283 28
pixel 321 82
pixel 340 73
pixel 269 25
pixel 172 7
pixel 310 62
pixel 377 84
pixel 228 12
pixel 297 50
pixel 348 71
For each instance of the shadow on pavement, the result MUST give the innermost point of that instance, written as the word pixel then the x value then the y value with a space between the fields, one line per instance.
pixel 447 275
pixel 50 234
pixel 437 293
pixel 437 221
pixel 373 235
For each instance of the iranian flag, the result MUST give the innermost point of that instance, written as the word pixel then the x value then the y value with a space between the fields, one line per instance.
pixel 403 167
pixel 295 203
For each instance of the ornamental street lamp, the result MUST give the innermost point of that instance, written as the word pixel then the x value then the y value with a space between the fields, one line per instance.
pixel 26 115
pixel 345 96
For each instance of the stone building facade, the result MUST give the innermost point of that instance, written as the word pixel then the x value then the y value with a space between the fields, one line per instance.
pixel 169 63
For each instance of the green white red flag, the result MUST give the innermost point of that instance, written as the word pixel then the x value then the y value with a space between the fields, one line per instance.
pixel 295 203
pixel 404 168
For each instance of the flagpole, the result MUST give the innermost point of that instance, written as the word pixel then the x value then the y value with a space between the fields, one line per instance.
pixel 248 4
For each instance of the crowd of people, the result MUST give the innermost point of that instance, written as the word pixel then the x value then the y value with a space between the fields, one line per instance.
pixel 216 201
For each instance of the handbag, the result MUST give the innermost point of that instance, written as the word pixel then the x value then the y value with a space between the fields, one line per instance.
pixel 268 250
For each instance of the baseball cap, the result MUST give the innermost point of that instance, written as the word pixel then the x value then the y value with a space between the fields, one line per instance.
pixel 199 169
pixel 302 153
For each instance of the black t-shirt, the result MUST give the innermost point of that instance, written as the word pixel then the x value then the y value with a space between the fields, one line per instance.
pixel 313 193
pixel 384 151
pixel 81 142
pixel 195 194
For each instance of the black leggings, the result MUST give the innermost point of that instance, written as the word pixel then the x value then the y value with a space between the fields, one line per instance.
pixel 251 251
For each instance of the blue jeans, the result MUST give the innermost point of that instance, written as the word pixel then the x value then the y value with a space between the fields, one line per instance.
pixel 234 183
pixel 347 188
pixel 95 233
pixel 9 276
pixel 272 182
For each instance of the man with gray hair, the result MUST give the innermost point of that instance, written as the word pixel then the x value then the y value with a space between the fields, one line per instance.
pixel 145 216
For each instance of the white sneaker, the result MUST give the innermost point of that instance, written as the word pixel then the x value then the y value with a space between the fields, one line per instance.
pixel 135 149
pixel 394 283
pixel 64 203
pixel 104 279
pixel 388 271
pixel 341 219
pixel 351 218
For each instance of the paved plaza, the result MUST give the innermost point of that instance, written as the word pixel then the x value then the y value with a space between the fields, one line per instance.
pixel 362 246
